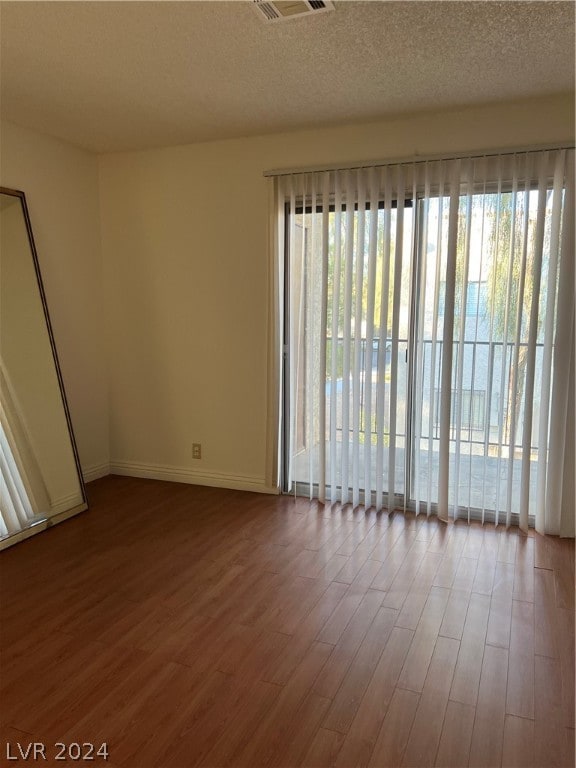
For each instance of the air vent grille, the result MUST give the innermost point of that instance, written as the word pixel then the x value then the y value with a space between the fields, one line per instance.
pixel 282 10
pixel 268 10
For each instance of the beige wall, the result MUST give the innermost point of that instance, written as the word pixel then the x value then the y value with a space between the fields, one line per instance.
pixel 186 269
pixel 61 187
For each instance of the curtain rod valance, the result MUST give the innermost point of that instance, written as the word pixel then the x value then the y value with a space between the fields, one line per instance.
pixel 416 159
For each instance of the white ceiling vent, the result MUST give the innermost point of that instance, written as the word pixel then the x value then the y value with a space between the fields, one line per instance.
pixel 281 10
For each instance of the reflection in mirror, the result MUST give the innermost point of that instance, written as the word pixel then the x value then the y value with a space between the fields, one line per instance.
pixel 40 482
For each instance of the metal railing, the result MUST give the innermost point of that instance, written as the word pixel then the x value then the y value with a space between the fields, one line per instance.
pixel 486 399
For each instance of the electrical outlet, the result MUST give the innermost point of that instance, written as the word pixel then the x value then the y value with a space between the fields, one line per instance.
pixel 196 450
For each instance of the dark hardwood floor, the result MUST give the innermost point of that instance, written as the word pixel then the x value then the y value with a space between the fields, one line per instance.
pixel 187 626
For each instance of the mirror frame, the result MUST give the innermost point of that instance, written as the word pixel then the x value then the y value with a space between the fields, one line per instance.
pixel 61 516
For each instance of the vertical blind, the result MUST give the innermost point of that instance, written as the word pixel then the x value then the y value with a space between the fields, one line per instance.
pixel 430 336
pixel 23 494
pixel 15 505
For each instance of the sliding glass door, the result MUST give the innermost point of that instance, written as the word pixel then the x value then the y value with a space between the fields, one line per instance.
pixel 422 314
pixel 493 295
pixel 357 401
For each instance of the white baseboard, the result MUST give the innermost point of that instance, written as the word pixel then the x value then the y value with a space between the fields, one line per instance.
pixel 65 503
pixel 192 476
pixel 95 471
pixel 54 519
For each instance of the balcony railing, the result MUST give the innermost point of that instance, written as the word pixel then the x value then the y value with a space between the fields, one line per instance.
pixel 481 409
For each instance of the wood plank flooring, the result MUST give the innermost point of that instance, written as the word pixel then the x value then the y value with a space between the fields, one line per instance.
pixel 188 626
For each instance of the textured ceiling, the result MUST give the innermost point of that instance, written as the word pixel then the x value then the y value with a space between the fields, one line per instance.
pixel 129 75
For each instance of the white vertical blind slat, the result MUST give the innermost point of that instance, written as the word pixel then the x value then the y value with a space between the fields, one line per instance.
pixel 349 247
pixel 368 355
pixel 532 339
pixel 518 336
pixel 311 304
pixel 546 373
pixel 559 512
pixel 434 341
pixel 505 375
pixel 335 478
pixel 493 288
pixel 488 384
pixel 398 247
pixel 322 330
pixel 358 321
pixel 447 342
pixel 420 290
pixel 383 335
pixel 463 297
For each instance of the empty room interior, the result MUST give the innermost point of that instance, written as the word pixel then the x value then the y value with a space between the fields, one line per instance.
pixel 287 377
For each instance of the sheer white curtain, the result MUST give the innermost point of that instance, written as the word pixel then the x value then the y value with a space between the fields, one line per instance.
pixel 430 332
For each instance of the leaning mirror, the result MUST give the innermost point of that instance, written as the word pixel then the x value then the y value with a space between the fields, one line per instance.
pixel 41 481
